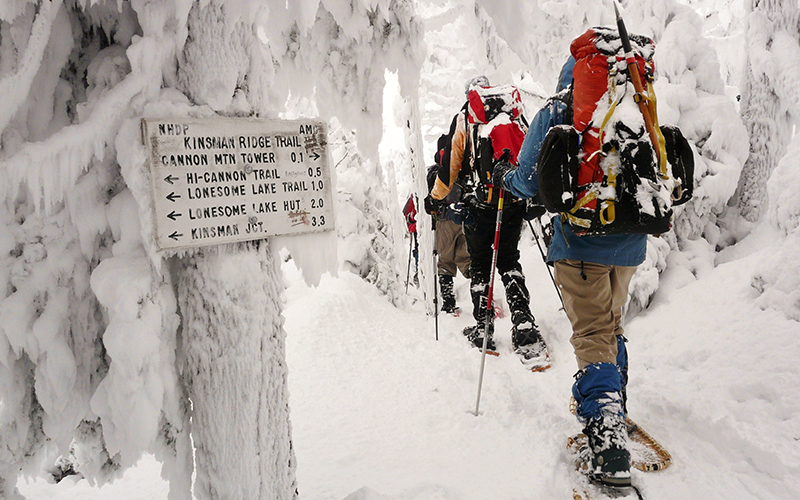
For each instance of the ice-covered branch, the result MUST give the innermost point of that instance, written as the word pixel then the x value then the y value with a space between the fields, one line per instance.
pixel 51 167
pixel 15 87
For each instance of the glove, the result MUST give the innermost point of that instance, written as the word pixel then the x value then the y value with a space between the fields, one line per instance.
pixel 470 200
pixel 460 213
pixel 534 211
pixel 431 206
pixel 501 168
pixel 534 208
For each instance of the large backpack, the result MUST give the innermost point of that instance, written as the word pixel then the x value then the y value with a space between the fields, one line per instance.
pixel 602 172
pixel 495 129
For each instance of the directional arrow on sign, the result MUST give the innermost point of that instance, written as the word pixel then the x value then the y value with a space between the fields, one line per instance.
pixel 173 215
pixel 170 178
pixel 171 197
pixel 175 235
pixel 315 155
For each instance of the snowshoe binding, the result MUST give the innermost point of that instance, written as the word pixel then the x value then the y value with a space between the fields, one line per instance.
pixel 530 347
pixel 607 439
pixel 586 485
pixel 475 334
pixel 451 309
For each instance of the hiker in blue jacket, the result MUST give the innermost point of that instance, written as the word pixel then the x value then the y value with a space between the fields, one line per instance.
pixel 593 274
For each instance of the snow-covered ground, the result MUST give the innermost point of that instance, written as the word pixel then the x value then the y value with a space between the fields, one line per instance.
pixel 382 411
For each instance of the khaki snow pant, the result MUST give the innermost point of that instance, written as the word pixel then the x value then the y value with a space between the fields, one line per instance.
pixel 452 248
pixel 594 307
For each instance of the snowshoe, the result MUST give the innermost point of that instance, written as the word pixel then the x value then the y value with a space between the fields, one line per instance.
pixel 474 335
pixel 534 356
pixel 530 347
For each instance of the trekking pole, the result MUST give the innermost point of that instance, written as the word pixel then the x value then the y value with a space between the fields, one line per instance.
pixel 489 308
pixel 436 293
pixel 410 251
pixel 544 259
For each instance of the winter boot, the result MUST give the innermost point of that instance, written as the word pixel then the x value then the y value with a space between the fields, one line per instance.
pixel 517 295
pixel 448 294
pixel 611 461
pixel 598 394
pixel 475 334
pixel 479 293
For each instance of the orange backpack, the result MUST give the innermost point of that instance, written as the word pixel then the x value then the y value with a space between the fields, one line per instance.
pixel 603 173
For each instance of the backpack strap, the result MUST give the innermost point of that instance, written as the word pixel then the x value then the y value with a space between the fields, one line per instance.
pixel 465 174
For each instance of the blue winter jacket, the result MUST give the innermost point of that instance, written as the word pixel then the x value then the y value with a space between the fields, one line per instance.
pixel 614 250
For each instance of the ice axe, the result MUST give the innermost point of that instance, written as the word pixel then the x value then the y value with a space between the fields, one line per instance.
pixel 642 99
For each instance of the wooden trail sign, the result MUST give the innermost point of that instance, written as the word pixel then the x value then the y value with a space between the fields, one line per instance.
pixel 221 180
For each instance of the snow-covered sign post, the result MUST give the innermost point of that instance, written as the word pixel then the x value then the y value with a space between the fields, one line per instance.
pixel 216 182
pixel 140 316
pixel 222 180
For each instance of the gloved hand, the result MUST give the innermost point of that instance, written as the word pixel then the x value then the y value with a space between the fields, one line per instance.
pixel 501 168
pixel 470 200
pixel 432 205
pixel 534 211
pixel 534 208
pixel 460 213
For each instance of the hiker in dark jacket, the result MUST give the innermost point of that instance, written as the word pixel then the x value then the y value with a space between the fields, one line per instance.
pixel 449 241
pixel 526 339
pixel 593 274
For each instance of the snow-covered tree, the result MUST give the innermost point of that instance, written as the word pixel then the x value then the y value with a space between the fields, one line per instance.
pixel 366 209
pixel 777 277
pixel 111 349
pixel 767 97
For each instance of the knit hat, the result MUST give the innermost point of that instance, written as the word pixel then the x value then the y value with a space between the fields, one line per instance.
pixel 476 81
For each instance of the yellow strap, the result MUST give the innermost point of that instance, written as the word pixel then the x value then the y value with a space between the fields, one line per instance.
pixel 585 200
pixel 610 212
pixel 582 202
pixel 577 221
pixel 662 143
pixel 612 84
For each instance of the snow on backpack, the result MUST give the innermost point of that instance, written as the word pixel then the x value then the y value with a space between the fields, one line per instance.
pixel 603 172
pixel 495 129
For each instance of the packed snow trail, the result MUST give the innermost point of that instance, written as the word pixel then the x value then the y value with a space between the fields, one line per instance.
pixel 381 411
pixel 377 402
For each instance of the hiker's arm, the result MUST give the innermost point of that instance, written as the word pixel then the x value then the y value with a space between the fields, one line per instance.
pixel 440 189
pixel 523 182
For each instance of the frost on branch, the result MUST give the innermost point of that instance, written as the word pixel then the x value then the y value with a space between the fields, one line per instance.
pixel 364 223
pixel 777 275
pixel 768 95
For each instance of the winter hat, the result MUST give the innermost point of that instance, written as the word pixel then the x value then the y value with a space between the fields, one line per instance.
pixel 476 81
